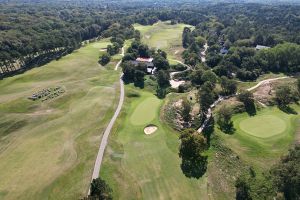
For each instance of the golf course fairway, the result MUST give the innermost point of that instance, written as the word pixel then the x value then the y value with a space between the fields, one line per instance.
pixel 140 166
pixel 164 36
pixel 48 148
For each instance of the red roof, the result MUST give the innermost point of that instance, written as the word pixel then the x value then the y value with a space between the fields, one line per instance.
pixel 140 59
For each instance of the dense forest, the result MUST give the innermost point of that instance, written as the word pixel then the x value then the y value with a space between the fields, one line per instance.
pixel 33 35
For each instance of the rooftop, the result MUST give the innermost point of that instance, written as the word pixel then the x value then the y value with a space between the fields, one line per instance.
pixel 140 59
pixel 259 47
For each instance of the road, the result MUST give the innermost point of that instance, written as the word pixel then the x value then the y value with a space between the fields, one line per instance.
pixel 107 131
pixel 209 111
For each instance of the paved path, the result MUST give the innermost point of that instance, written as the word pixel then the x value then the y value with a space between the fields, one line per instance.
pixel 209 111
pixel 175 83
pixel 107 131
pixel 203 53
pixel 119 63
pixel 265 82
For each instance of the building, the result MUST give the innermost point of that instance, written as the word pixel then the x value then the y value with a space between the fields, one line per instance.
pixel 260 47
pixel 224 51
pixel 146 61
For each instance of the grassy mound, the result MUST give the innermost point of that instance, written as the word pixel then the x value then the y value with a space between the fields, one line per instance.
pixel 263 126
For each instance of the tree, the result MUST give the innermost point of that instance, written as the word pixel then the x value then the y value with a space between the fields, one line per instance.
pixel 194 48
pixel 247 98
pixel 196 77
pixel 186 37
pixel 209 76
pixel 259 39
pixel 200 41
pixel 213 59
pixel 143 51
pixel 186 109
pixel 160 62
pixel 207 96
pixel 129 71
pixel 112 49
pixel 228 86
pixel 128 56
pixel 284 95
pixel 287 174
pixel 242 190
pixel 100 190
pixel 298 85
pixel 193 144
pixel 139 78
pixel 163 78
pixel 224 119
pixel 104 59
pixel 162 53
pixel 161 92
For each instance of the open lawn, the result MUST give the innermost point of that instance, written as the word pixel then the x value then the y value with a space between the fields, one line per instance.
pixel 48 149
pixel 140 166
pixel 163 35
pixel 260 140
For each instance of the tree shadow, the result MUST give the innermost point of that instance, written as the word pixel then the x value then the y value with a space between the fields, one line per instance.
pixel 194 167
pixel 140 84
pixel 208 130
pixel 287 109
pixel 228 128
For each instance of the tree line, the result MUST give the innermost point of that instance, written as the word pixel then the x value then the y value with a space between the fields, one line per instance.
pixel 34 28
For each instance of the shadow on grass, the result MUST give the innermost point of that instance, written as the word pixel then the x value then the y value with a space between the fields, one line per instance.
pixel 195 167
pixel 139 84
pixel 287 109
pixel 228 128
pixel 209 129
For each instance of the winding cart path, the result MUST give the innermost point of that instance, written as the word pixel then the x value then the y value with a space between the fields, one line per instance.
pixel 107 131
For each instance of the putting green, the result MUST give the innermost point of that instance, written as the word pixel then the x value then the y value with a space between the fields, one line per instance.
pixel 145 111
pixel 263 126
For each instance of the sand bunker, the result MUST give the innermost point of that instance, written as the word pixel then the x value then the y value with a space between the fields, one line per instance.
pixel 175 84
pixel 148 130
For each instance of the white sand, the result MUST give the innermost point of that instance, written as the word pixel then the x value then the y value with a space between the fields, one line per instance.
pixel 150 129
pixel 175 84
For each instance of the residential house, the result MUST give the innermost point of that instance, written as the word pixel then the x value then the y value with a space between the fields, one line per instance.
pixel 260 47
pixel 146 61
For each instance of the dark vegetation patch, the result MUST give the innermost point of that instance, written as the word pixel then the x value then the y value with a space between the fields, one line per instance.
pixel 132 93
pixel 20 105
pixel 9 126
